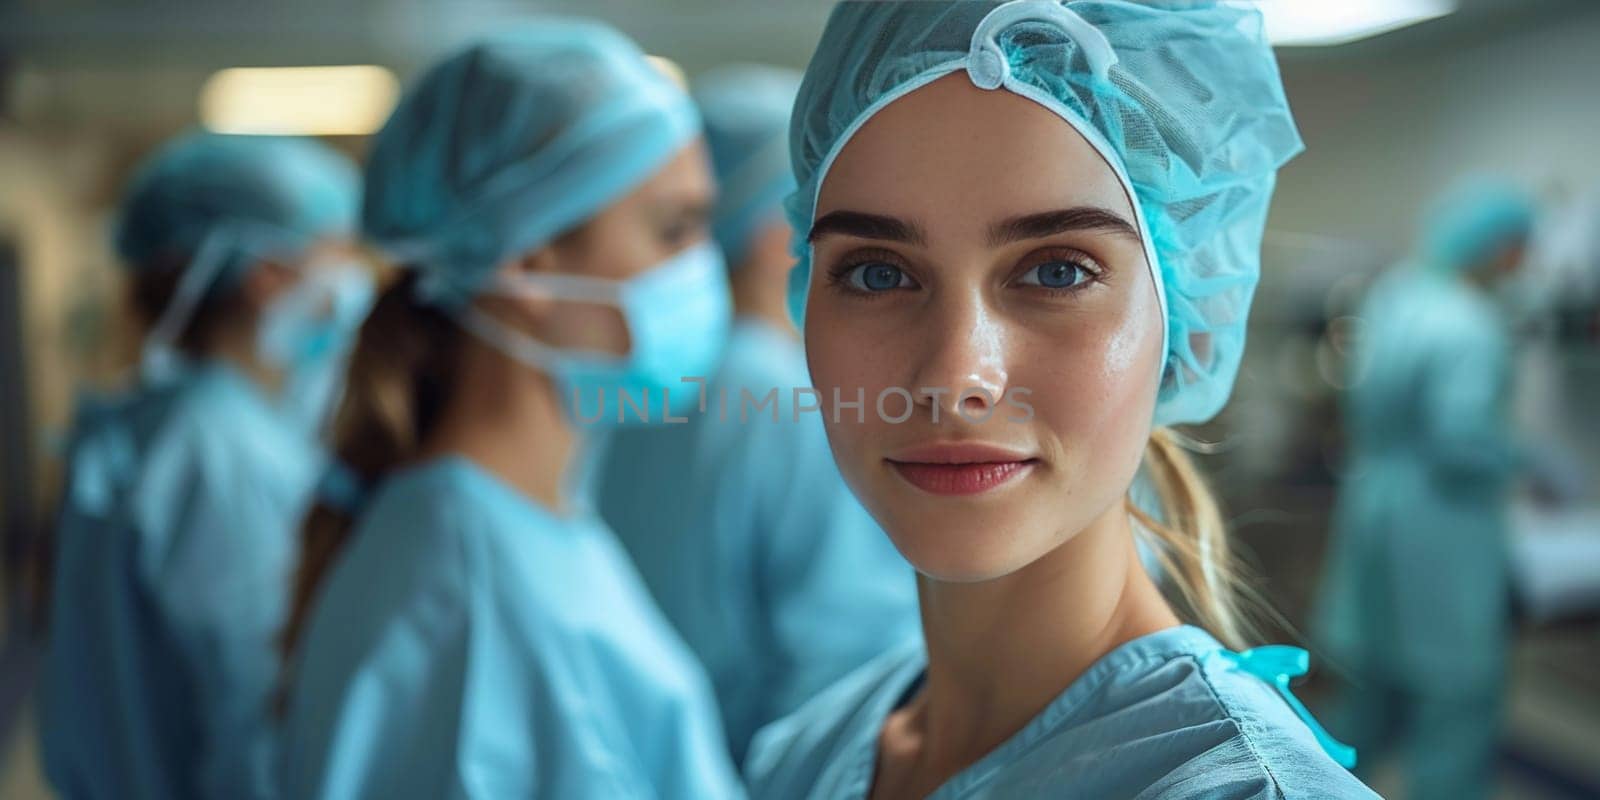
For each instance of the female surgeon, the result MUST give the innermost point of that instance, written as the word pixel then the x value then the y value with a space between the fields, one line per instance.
pixel 464 626
pixel 177 532
pixel 1030 231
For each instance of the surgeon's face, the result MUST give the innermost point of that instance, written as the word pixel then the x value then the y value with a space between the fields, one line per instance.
pixel 663 216
pixel 271 279
pixel 1511 257
pixel 971 241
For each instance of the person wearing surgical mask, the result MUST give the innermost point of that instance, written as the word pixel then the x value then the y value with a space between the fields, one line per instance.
pixel 464 624
pixel 1028 234
pixel 1415 602
pixel 739 521
pixel 176 537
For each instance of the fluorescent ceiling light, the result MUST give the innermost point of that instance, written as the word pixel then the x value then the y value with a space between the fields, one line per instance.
pixel 312 101
pixel 1311 23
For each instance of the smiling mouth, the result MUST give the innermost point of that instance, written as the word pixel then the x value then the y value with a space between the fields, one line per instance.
pixel 952 477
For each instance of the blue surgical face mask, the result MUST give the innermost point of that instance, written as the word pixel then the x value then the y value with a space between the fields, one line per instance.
pixel 677 314
pixel 315 318
pixel 308 331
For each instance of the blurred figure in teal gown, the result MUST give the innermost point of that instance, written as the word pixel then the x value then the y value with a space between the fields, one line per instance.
pixel 182 495
pixel 1414 601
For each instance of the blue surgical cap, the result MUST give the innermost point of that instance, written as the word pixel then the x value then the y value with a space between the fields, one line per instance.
pixel 1181 97
pixel 1472 221
pixel 211 205
pixel 243 196
pixel 513 141
pixel 746 110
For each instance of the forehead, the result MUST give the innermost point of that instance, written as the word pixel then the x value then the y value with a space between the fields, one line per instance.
pixel 952 150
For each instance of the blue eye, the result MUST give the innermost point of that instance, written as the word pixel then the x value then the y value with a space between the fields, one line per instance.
pixel 877 277
pixel 1055 274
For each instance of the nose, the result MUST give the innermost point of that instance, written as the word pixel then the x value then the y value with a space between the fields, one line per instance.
pixel 961 366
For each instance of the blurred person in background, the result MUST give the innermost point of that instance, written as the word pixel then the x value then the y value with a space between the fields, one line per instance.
pixel 1414 604
pixel 465 625
pixel 176 538
pixel 739 522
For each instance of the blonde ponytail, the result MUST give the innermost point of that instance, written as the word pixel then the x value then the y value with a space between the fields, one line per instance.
pixel 1204 579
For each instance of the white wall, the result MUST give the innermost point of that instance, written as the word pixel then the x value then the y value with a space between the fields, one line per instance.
pixel 1384 134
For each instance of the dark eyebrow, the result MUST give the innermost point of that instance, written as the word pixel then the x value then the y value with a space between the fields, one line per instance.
pixel 1050 223
pixel 866 226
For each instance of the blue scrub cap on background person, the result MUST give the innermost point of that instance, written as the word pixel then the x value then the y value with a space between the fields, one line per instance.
pixel 1472 220
pixel 294 191
pixel 1182 98
pixel 211 205
pixel 511 142
pixel 746 110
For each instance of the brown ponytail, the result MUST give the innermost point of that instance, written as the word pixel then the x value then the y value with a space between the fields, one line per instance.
pixel 399 377
pixel 1206 580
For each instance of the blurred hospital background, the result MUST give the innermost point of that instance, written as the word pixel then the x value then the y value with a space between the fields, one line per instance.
pixel 1396 99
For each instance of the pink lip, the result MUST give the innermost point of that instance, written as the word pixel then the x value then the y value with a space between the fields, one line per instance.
pixel 959 453
pixel 960 469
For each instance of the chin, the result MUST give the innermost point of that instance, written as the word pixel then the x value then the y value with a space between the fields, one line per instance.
pixel 963 546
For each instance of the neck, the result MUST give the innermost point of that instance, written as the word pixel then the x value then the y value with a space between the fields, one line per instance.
pixel 507 419
pixel 1000 651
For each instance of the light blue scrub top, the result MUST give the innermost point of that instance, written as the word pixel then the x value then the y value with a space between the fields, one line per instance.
pixel 1167 715
pixel 776 577
pixel 470 644
pixel 177 537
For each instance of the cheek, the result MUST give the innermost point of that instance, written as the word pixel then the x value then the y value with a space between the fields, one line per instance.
pixel 851 351
pixel 852 345
pixel 1097 394
pixel 616 246
pixel 580 326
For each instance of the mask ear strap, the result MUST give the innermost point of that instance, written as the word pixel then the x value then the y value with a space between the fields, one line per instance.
pixel 518 345
pixel 571 288
pixel 159 355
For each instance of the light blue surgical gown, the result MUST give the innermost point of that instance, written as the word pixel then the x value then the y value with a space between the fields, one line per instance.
pixel 176 540
pixel 1168 715
pixel 778 580
pixel 1415 600
pixel 469 643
